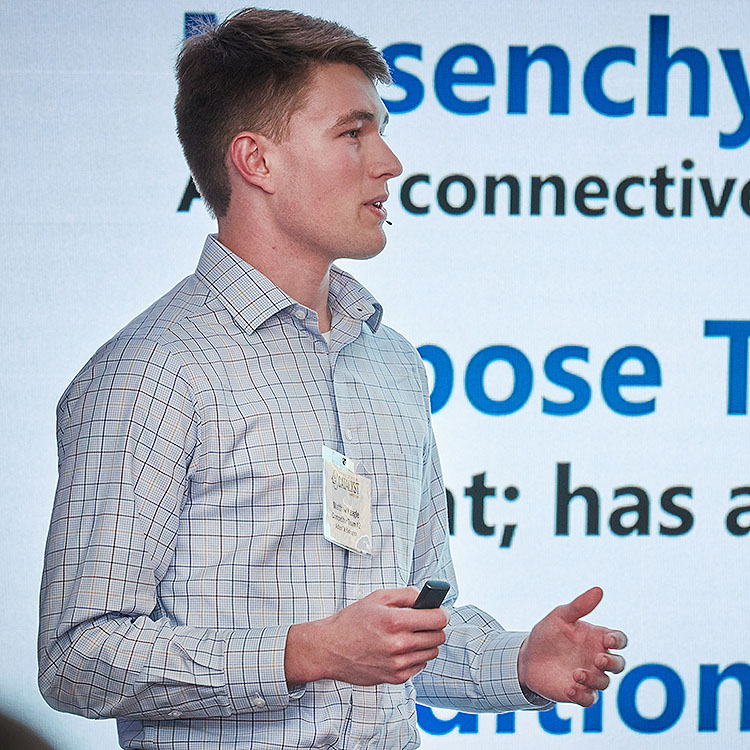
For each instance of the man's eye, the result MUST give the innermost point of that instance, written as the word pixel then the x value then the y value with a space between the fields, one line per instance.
pixel 352 133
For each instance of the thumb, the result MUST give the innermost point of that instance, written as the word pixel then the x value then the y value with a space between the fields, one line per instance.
pixel 582 605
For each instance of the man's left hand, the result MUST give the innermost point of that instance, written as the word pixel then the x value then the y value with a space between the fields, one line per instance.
pixel 566 659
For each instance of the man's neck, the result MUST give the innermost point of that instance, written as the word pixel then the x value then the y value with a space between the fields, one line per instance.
pixel 305 278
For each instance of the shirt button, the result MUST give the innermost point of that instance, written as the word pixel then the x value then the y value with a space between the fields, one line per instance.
pixel 175 714
pixel 300 314
pixel 360 593
pixel 348 433
pixel 360 468
pixel 259 703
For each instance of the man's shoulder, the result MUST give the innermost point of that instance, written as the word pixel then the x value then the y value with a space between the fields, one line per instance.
pixel 392 339
pixel 398 352
pixel 159 339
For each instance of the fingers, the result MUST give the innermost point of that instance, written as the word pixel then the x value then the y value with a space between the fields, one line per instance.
pixel 615 639
pixel 417 619
pixel 406 666
pixel 582 605
pixel 594 680
pixel 610 663
pixel 426 640
pixel 420 658
pixel 401 676
pixel 404 599
pixel 399 614
pixel 582 696
pixel 396 597
pixel 414 647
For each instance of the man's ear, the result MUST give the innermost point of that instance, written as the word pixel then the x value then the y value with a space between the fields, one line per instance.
pixel 248 154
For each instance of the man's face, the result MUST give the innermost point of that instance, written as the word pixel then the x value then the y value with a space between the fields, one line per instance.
pixel 331 169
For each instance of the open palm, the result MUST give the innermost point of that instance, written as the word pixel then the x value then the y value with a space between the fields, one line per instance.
pixel 566 659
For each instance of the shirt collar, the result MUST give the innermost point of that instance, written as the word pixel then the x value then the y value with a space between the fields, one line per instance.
pixel 252 298
pixel 350 298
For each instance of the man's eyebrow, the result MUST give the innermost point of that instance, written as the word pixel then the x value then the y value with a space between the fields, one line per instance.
pixel 359 114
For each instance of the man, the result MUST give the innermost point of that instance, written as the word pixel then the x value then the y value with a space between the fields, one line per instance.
pixel 195 585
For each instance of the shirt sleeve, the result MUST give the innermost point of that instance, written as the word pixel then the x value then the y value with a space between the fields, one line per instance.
pixel 128 431
pixel 477 667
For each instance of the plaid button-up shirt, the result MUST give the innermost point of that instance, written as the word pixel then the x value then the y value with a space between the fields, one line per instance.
pixel 186 536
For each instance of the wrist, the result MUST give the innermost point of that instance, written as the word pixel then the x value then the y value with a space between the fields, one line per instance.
pixel 521 666
pixel 302 656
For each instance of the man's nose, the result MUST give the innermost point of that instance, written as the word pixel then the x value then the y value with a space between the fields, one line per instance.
pixel 387 163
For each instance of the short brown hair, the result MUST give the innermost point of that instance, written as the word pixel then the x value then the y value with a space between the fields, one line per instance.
pixel 249 73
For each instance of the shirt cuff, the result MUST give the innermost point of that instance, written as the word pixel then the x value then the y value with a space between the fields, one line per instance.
pixel 500 669
pixel 255 670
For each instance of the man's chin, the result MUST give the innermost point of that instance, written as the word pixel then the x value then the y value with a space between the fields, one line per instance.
pixel 382 242
pixel 369 250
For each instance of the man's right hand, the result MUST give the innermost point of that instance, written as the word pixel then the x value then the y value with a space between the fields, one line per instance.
pixel 375 640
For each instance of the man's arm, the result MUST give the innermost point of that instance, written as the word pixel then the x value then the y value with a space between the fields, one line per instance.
pixel 482 667
pixel 128 436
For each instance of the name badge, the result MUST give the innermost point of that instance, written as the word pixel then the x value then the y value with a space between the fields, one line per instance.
pixel 346 504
